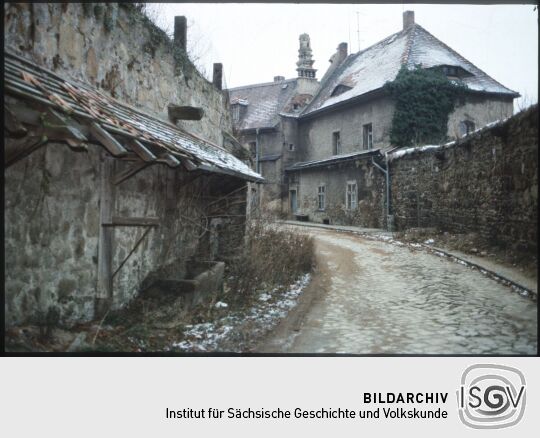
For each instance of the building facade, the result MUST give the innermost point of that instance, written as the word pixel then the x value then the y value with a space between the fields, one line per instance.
pixel 325 150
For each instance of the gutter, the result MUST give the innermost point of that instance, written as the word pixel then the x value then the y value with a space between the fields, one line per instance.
pixel 257 165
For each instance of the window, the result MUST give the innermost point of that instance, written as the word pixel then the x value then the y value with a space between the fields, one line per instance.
pixel 368 136
pixel 466 127
pixel 295 106
pixel 340 89
pixel 336 143
pixel 236 113
pixel 291 147
pixel 351 195
pixel 322 197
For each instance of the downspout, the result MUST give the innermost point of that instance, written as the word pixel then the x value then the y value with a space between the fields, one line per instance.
pixel 387 177
pixel 257 150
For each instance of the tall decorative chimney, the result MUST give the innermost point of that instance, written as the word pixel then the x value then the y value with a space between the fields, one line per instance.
pixel 305 63
pixel 408 19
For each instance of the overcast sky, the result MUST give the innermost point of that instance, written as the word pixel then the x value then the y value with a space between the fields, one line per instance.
pixel 256 42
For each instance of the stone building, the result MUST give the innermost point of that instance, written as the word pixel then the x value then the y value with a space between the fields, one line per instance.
pixel 324 150
pixel 113 171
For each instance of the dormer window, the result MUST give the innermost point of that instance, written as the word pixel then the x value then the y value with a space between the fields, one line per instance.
pixel 238 109
pixel 454 72
pixel 340 89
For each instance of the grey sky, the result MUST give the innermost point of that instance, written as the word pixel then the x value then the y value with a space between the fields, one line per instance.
pixel 256 42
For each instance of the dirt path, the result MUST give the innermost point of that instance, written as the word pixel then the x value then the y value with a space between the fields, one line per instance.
pixel 370 297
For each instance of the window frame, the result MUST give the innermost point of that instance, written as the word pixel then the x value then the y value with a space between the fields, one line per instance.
pixel 336 143
pixel 321 196
pixel 367 136
pixel 351 202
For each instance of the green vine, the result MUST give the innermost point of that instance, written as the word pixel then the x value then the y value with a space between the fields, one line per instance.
pixel 423 101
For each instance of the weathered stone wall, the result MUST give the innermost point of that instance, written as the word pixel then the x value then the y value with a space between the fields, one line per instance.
pixel 52 208
pixel 370 185
pixel 487 183
pixel 117 49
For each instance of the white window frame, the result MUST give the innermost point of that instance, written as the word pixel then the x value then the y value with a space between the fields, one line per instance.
pixel 367 136
pixel 321 197
pixel 291 147
pixel 351 195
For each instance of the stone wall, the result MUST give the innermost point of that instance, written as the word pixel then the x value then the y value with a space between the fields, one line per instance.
pixel 52 206
pixel 117 49
pixel 486 183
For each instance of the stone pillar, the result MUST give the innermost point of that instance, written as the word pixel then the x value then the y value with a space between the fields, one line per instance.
pixel 180 32
pixel 408 19
pixel 217 77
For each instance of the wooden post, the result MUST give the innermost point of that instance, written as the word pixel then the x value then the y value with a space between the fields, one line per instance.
pixel 104 293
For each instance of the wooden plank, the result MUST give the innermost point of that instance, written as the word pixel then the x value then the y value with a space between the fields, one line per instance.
pixel 117 221
pixel 177 112
pixel 104 292
pixel 16 150
pixel 59 127
pixel 13 124
pixel 129 172
pixel 107 140
pixel 142 151
pixel 169 159
pixel 188 164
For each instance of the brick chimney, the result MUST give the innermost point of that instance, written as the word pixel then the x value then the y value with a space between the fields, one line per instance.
pixel 343 51
pixel 180 32
pixel 408 19
pixel 279 78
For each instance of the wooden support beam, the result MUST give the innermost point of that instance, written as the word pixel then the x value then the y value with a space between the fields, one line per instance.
pixel 15 150
pixel 107 140
pixel 60 127
pixel 104 293
pixel 169 159
pixel 12 124
pixel 184 113
pixel 117 221
pixel 142 151
pixel 129 172
pixel 132 251
pixel 188 164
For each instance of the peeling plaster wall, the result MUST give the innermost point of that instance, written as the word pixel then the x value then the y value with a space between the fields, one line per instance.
pixel 117 49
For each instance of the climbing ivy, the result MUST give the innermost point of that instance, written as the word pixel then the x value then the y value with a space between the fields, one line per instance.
pixel 424 99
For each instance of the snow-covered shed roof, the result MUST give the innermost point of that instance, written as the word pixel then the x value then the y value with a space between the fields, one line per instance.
pixel 119 121
pixel 262 103
pixel 369 69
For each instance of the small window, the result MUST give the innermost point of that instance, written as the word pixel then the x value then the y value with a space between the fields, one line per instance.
pixel 352 195
pixel 368 136
pixel 236 113
pixel 291 147
pixel 321 197
pixel 466 127
pixel 336 143
pixel 295 106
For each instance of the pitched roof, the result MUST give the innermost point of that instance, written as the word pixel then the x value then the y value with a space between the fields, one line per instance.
pixel 369 69
pixel 25 79
pixel 334 159
pixel 264 102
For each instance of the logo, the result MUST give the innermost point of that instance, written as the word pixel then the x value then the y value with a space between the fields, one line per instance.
pixel 491 396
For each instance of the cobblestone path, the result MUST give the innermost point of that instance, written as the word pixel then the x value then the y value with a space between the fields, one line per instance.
pixel 371 297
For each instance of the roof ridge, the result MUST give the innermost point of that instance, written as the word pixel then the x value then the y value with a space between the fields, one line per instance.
pixel 462 58
pixel 408 46
pixel 262 84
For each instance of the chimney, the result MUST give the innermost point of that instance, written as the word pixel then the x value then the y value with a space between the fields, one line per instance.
pixel 408 19
pixel 180 32
pixel 343 50
pixel 279 78
pixel 217 77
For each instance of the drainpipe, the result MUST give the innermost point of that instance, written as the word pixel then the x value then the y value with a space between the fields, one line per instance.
pixel 387 176
pixel 257 150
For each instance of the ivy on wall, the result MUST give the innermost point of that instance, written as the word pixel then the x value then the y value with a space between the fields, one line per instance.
pixel 424 99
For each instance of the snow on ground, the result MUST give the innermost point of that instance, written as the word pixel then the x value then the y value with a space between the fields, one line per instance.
pixel 268 310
